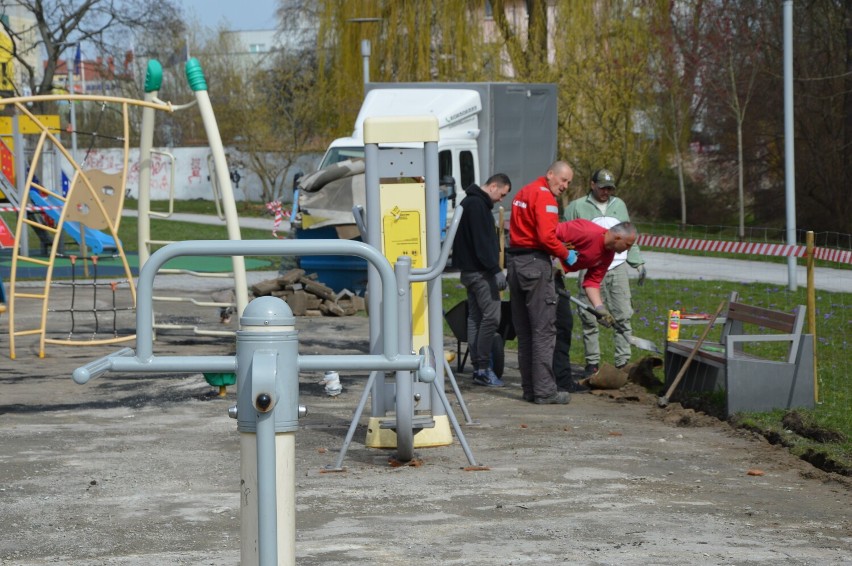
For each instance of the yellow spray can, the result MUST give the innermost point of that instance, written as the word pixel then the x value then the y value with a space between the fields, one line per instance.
pixel 674 325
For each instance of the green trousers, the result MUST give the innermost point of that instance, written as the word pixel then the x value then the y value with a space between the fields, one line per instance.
pixel 615 291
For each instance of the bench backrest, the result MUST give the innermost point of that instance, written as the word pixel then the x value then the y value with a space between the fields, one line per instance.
pixel 783 322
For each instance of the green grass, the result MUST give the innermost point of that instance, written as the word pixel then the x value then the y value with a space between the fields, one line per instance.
pixel 202 206
pixel 834 321
pixel 170 230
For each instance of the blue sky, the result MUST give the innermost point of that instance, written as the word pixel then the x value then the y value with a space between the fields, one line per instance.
pixel 236 14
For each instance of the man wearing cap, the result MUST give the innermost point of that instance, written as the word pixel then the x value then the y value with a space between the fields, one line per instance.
pixel 602 207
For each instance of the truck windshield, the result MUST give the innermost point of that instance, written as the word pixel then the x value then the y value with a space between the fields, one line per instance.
pixel 338 154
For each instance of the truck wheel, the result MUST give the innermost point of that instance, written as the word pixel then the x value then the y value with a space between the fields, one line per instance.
pixel 497 355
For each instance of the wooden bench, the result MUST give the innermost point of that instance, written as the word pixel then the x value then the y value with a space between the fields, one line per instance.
pixel 753 374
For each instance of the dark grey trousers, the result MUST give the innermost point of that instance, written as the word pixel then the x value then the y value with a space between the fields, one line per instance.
pixel 564 327
pixel 533 302
pixel 483 315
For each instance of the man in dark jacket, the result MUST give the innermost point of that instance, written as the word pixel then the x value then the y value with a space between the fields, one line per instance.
pixel 476 252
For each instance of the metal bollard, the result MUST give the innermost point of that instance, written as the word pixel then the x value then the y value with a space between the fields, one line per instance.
pixel 267 413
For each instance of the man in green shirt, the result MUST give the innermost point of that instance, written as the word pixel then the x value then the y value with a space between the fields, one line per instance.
pixel 602 207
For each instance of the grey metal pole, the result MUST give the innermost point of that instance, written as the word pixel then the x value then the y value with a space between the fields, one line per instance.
pixel 433 250
pixel 374 282
pixel 789 142
pixel 404 393
pixel 365 53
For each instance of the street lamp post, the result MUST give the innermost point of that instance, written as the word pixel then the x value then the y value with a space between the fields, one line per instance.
pixel 365 45
pixel 69 68
pixel 789 143
pixel 365 53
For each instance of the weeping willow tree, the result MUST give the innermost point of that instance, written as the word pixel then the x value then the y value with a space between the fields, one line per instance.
pixel 597 52
pixel 523 29
pixel 603 84
pixel 431 40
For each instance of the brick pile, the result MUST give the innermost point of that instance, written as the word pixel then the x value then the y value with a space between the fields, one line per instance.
pixel 307 296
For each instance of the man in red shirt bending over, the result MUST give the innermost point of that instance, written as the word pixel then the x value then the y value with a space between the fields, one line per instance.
pixel 595 247
pixel 532 242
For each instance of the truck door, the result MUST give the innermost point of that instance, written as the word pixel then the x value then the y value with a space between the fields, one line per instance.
pixel 461 165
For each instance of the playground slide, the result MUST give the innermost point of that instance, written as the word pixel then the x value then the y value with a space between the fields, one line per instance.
pixel 96 240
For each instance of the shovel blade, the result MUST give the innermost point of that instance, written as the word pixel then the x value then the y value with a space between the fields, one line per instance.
pixel 644 344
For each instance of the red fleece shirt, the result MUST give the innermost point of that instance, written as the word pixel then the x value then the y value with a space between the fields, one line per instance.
pixel 534 218
pixel 587 239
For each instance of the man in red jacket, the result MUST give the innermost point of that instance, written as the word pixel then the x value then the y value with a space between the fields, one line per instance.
pixel 532 242
pixel 595 246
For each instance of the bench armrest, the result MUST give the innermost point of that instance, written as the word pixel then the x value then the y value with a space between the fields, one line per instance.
pixel 733 339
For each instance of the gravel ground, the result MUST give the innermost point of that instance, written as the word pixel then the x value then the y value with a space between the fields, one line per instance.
pixel 144 470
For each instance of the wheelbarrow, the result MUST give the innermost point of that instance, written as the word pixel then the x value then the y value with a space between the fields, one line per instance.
pixel 456 319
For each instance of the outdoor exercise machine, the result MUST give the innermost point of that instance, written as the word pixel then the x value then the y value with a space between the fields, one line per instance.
pixel 267 363
pixel 402 219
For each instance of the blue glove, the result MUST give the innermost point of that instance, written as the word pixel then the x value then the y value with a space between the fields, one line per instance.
pixel 572 257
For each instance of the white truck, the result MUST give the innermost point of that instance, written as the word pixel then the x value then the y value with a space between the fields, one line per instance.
pixel 484 128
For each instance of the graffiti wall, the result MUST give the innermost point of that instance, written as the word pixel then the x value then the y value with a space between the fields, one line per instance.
pixel 191 171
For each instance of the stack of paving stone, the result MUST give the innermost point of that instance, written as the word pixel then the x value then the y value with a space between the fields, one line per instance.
pixel 307 296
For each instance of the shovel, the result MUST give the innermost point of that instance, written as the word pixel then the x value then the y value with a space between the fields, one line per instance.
pixel 640 343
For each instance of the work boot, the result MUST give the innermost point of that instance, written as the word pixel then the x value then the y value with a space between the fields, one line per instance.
pixel 487 378
pixel 591 369
pixel 575 387
pixel 558 398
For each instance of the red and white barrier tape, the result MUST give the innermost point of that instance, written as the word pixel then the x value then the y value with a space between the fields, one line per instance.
pixel 751 248
pixel 29 208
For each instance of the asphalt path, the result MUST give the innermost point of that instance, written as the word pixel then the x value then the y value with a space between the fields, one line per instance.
pixel 660 265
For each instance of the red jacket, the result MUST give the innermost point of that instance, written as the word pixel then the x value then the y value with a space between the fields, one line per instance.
pixel 534 218
pixel 587 239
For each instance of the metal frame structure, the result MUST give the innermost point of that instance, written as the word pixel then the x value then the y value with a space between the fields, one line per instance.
pixel 86 181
